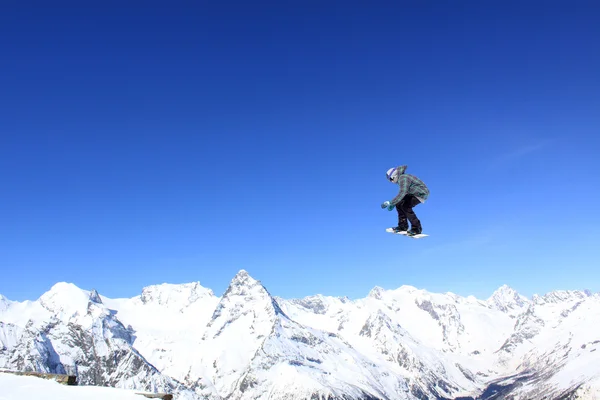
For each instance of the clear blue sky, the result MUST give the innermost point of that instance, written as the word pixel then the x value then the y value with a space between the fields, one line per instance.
pixel 174 142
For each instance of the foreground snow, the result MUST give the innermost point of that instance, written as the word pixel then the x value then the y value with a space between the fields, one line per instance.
pixel 13 387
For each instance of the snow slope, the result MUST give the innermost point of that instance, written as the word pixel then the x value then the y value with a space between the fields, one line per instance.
pixel 14 387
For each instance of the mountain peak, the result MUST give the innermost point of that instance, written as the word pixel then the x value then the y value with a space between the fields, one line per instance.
pixel 242 277
pixel 67 300
pixel 506 299
pixel 376 292
pixel 4 303
pixel 243 284
pixel 244 295
pixel 95 297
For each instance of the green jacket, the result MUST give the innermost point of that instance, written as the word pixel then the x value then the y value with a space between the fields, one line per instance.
pixel 410 184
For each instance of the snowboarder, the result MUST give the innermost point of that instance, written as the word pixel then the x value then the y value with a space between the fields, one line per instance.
pixel 412 193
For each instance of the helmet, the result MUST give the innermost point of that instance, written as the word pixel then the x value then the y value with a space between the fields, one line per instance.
pixel 392 174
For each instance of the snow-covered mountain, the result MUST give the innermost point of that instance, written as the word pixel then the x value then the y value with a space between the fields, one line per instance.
pixel 69 330
pixel 393 344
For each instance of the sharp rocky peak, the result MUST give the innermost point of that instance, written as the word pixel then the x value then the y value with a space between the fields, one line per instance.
pixel 243 284
pixel 4 303
pixel 504 290
pixel 243 296
pixel 95 297
pixel 506 298
pixel 376 292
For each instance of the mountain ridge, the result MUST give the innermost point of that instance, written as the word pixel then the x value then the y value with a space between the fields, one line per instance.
pixel 403 343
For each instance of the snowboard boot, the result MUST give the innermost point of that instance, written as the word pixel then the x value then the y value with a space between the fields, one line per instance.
pixel 400 229
pixel 415 230
pixel 402 225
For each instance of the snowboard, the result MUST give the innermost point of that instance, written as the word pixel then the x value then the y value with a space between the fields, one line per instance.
pixel 404 233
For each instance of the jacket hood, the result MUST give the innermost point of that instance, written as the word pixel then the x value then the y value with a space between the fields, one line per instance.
pixel 401 169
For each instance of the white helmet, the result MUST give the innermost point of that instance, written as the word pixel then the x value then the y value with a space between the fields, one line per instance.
pixel 392 174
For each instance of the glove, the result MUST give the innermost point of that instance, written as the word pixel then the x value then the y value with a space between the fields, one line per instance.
pixel 387 205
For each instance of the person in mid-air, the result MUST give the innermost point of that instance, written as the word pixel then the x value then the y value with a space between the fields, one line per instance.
pixel 412 193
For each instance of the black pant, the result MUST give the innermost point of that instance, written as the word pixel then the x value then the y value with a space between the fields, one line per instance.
pixel 405 211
